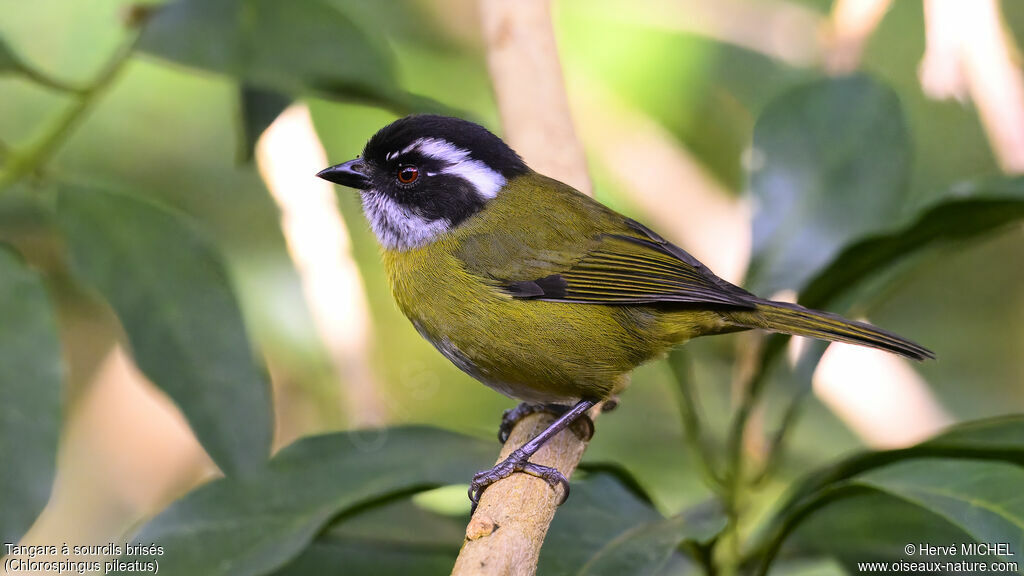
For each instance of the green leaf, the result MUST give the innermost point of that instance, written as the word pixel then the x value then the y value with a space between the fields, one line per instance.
pixel 958 502
pixel 351 557
pixel 1000 438
pixel 258 109
pixel 648 548
pixel 294 47
pixel 30 396
pixel 12 63
pixel 397 538
pixel 9 61
pixel 863 525
pixel 253 525
pixel 599 509
pixel 965 212
pixel 982 498
pixel 406 522
pixel 606 527
pixel 408 21
pixel 831 165
pixel 168 285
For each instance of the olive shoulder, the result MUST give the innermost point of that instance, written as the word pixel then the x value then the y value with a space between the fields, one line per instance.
pixel 534 227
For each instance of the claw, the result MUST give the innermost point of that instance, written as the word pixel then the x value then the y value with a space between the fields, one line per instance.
pixel 512 416
pixel 588 432
pixel 519 459
pixel 474 498
pixel 553 477
pixel 516 462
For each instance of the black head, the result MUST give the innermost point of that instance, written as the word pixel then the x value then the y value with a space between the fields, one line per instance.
pixel 422 175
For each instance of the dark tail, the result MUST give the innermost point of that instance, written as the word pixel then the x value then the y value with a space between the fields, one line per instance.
pixel 800 321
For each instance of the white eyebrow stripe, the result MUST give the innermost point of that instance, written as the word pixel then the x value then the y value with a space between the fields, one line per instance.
pixel 440 150
pixel 486 181
pixel 390 155
pixel 413 146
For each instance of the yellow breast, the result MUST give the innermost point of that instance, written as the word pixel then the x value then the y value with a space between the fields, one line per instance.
pixel 531 350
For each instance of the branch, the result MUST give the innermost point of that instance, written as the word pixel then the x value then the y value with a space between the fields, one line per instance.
pixel 686 393
pixel 970 51
pixel 508 528
pixel 40 152
pixel 849 28
pixel 781 30
pixel 319 245
pixel 527 79
pixel 506 532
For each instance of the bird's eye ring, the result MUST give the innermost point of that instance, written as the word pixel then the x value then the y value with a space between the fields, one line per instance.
pixel 408 174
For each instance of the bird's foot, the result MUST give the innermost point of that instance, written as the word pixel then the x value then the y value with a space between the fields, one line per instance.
pixel 583 427
pixel 516 462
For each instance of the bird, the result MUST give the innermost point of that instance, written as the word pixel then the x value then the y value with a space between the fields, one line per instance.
pixel 539 291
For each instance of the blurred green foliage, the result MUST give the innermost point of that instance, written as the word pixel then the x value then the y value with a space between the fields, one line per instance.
pixel 254 524
pixel 168 286
pixel 139 211
pixel 30 372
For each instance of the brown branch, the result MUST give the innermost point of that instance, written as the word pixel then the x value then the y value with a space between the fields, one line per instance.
pixel 527 78
pixel 779 29
pixel 849 28
pixel 505 535
pixel 969 51
pixel 320 248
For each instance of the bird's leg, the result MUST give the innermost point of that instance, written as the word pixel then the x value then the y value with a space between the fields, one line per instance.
pixel 512 416
pixel 518 460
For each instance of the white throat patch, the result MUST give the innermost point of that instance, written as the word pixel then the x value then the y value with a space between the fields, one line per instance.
pixel 397 227
pixel 458 163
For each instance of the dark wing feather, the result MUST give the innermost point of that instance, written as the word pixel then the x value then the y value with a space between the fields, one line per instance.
pixel 640 269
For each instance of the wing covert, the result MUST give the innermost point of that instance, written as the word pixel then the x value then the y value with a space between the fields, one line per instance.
pixel 634 269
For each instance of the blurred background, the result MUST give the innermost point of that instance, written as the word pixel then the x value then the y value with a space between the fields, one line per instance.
pixel 664 95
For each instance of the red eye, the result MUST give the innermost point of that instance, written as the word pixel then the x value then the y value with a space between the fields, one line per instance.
pixel 408 174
